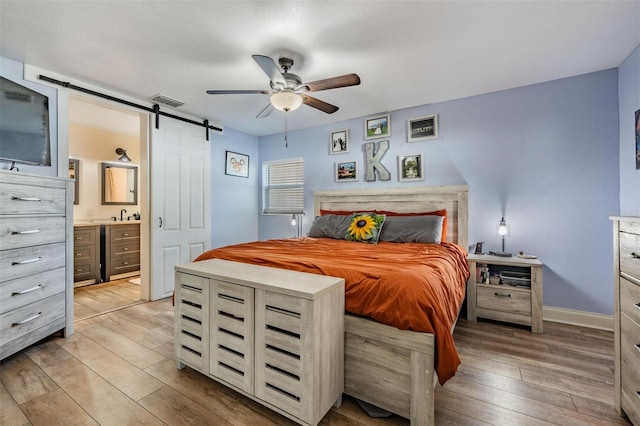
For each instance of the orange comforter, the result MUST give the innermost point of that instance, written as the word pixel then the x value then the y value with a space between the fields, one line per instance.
pixel 411 286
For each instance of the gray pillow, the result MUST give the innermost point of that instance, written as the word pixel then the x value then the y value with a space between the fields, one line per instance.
pixel 330 226
pixel 412 229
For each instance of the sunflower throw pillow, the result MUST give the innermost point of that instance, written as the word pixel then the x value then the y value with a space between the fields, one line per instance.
pixel 365 227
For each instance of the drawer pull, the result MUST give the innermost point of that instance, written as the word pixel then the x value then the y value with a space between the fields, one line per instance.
pixel 635 255
pixel 78 238
pixel 125 263
pixel 29 290
pixel 78 269
pixel 78 254
pixel 29 231
pixel 26 198
pixel 24 262
pixel 125 235
pixel 637 346
pixel 502 294
pixel 24 321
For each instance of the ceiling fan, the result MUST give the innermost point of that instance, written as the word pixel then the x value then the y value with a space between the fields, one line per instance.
pixel 288 91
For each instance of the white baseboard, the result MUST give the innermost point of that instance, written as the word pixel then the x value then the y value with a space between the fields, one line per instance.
pixel 581 318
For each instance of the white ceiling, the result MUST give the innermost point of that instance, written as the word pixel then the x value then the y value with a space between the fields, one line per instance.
pixel 406 53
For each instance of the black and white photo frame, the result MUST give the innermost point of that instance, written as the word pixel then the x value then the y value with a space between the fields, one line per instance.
pixel 339 142
pixel 422 128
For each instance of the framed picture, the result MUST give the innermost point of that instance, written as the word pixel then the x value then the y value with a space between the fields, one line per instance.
pixel 377 127
pixel 410 167
pixel 422 128
pixel 346 172
pixel 339 142
pixel 638 139
pixel 236 164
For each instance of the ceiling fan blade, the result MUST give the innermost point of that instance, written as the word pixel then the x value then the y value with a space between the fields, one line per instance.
pixel 239 92
pixel 270 68
pixel 265 112
pixel 318 104
pixel 333 83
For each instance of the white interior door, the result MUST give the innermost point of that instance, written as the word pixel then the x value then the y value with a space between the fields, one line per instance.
pixel 180 199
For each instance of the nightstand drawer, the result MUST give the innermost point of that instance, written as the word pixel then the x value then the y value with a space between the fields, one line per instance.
pixel 504 299
pixel 630 254
pixel 630 299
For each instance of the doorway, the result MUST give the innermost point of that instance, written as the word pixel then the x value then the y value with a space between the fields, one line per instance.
pixel 103 134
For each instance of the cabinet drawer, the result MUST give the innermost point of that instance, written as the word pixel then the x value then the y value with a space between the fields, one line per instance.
pixel 191 315
pixel 22 291
pixel 504 299
pixel 127 262
pixel 630 299
pixel 30 231
pixel 630 254
pixel 232 342
pixel 124 247
pixel 124 232
pixel 84 253
pixel 23 199
pixel 85 236
pixel 630 383
pixel 21 262
pixel 84 270
pixel 21 321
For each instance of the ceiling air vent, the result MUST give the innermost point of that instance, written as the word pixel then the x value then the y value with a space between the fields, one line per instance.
pixel 165 100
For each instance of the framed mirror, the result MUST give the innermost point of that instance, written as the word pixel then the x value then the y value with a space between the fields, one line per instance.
pixel 74 174
pixel 119 184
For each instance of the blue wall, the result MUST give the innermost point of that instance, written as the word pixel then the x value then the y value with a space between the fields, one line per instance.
pixel 629 98
pixel 544 156
pixel 234 200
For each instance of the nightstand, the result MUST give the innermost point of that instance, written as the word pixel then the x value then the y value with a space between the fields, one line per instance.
pixel 505 289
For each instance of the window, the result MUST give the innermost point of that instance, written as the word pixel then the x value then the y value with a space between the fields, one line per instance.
pixel 283 186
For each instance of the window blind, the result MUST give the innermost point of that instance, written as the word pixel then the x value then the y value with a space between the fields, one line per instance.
pixel 283 186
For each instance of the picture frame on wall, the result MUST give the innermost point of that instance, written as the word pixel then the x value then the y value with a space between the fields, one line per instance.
pixel 339 142
pixel 638 139
pixel 377 127
pixel 346 171
pixel 236 164
pixel 422 128
pixel 410 168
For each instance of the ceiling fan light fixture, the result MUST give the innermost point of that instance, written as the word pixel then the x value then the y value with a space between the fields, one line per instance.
pixel 286 101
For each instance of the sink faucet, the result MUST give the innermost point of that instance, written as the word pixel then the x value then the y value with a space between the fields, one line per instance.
pixel 121 212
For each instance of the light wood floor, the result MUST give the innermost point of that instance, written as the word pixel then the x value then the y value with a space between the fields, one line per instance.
pixel 92 300
pixel 118 369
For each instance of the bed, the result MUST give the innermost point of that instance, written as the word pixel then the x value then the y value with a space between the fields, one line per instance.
pixel 389 367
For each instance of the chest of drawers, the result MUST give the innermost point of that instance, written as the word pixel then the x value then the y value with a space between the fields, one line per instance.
pixel 36 290
pixel 626 279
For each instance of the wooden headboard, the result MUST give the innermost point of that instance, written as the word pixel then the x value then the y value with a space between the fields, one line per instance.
pixel 453 198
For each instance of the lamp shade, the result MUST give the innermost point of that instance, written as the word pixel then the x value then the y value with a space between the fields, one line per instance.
pixel 286 100
pixel 123 155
